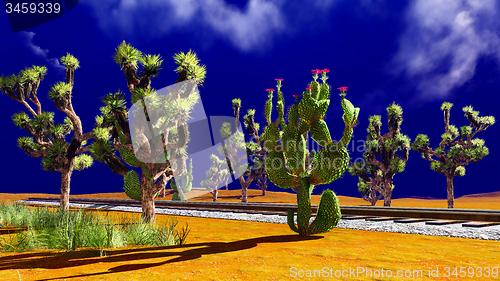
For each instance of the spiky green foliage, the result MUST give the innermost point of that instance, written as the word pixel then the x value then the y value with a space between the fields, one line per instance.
pixel 457 148
pixel 385 155
pixel 69 61
pixel 125 54
pixel 83 161
pixel 115 149
pixel 189 67
pixel 60 145
pixel 290 164
pixel 151 64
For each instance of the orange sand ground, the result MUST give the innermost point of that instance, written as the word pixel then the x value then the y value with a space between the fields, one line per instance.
pixel 476 201
pixel 234 250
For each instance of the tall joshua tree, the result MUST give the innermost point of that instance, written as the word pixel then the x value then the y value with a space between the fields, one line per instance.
pixel 255 172
pixel 61 146
pixel 289 163
pixel 113 146
pixel 457 148
pixel 385 155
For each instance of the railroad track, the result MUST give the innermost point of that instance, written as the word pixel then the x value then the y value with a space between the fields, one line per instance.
pixel 431 216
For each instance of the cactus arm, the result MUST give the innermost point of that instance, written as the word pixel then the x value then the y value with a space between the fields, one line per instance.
pixel 328 215
pixel 350 118
pixel 291 220
pixel 131 185
pixel 280 107
pixel 277 172
pixel 269 108
pixel 329 164
pixel 320 133
pixel 295 151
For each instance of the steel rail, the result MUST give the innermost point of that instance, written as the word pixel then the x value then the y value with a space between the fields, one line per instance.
pixel 280 209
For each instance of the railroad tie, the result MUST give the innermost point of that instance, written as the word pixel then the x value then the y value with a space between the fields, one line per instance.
pixel 382 219
pixel 443 222
pixel 479 224
pixel 411 220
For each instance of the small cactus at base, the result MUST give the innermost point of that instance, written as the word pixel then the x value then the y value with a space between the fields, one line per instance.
pixel 458 147
pixel 132 186
pixel 289 163
pixel 385 155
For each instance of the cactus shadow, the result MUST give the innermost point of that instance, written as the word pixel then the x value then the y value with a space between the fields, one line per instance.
pixel 58 260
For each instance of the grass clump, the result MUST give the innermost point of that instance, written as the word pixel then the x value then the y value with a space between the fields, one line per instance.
pixel 53 229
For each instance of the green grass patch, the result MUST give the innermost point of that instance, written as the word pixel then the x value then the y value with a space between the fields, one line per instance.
pixel 53 229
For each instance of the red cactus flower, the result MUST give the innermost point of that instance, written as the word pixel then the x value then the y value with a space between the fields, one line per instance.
pixel 325 70
pixel 316 71
pixel 308 88
pixel 270 90
pixel 279 79
pixel 343 88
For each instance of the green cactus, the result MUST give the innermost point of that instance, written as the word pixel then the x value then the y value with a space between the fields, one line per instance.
pixel 290 164
pixel 458 148
pixel 132 186
pixel 385 155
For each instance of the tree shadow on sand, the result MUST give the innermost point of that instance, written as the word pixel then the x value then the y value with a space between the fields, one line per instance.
pixel 58 260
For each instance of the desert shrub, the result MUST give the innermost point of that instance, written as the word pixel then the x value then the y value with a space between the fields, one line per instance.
pixel 54 229
pixel 13 215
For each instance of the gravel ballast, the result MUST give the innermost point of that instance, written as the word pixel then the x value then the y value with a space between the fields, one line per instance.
pixel 451 230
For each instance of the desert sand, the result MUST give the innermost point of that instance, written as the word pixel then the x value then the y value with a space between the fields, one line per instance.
pixel 237 250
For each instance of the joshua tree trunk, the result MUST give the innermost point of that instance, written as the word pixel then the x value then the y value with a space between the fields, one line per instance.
pixel 65 189
pixel 147 200
pixel 215 194
pixel 373 199
pixel 244 196
pixel 450 190
pixel 387 194
pixel 244 188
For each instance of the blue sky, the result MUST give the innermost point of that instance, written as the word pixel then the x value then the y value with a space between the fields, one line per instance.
pixel 416 53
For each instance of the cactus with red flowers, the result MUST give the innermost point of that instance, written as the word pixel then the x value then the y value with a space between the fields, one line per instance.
pixel 290 164
pixel 457 148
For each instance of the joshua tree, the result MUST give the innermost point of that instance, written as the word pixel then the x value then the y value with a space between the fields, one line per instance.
pixel 289 163
pixel 61 146
pixel 385 155
pixel 218 175
pixel 114 146
pixel 458 148
pixel 255 151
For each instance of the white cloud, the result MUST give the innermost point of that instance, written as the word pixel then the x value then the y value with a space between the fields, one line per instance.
pixel 39 51
pixel 248 28
pixel 444 40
